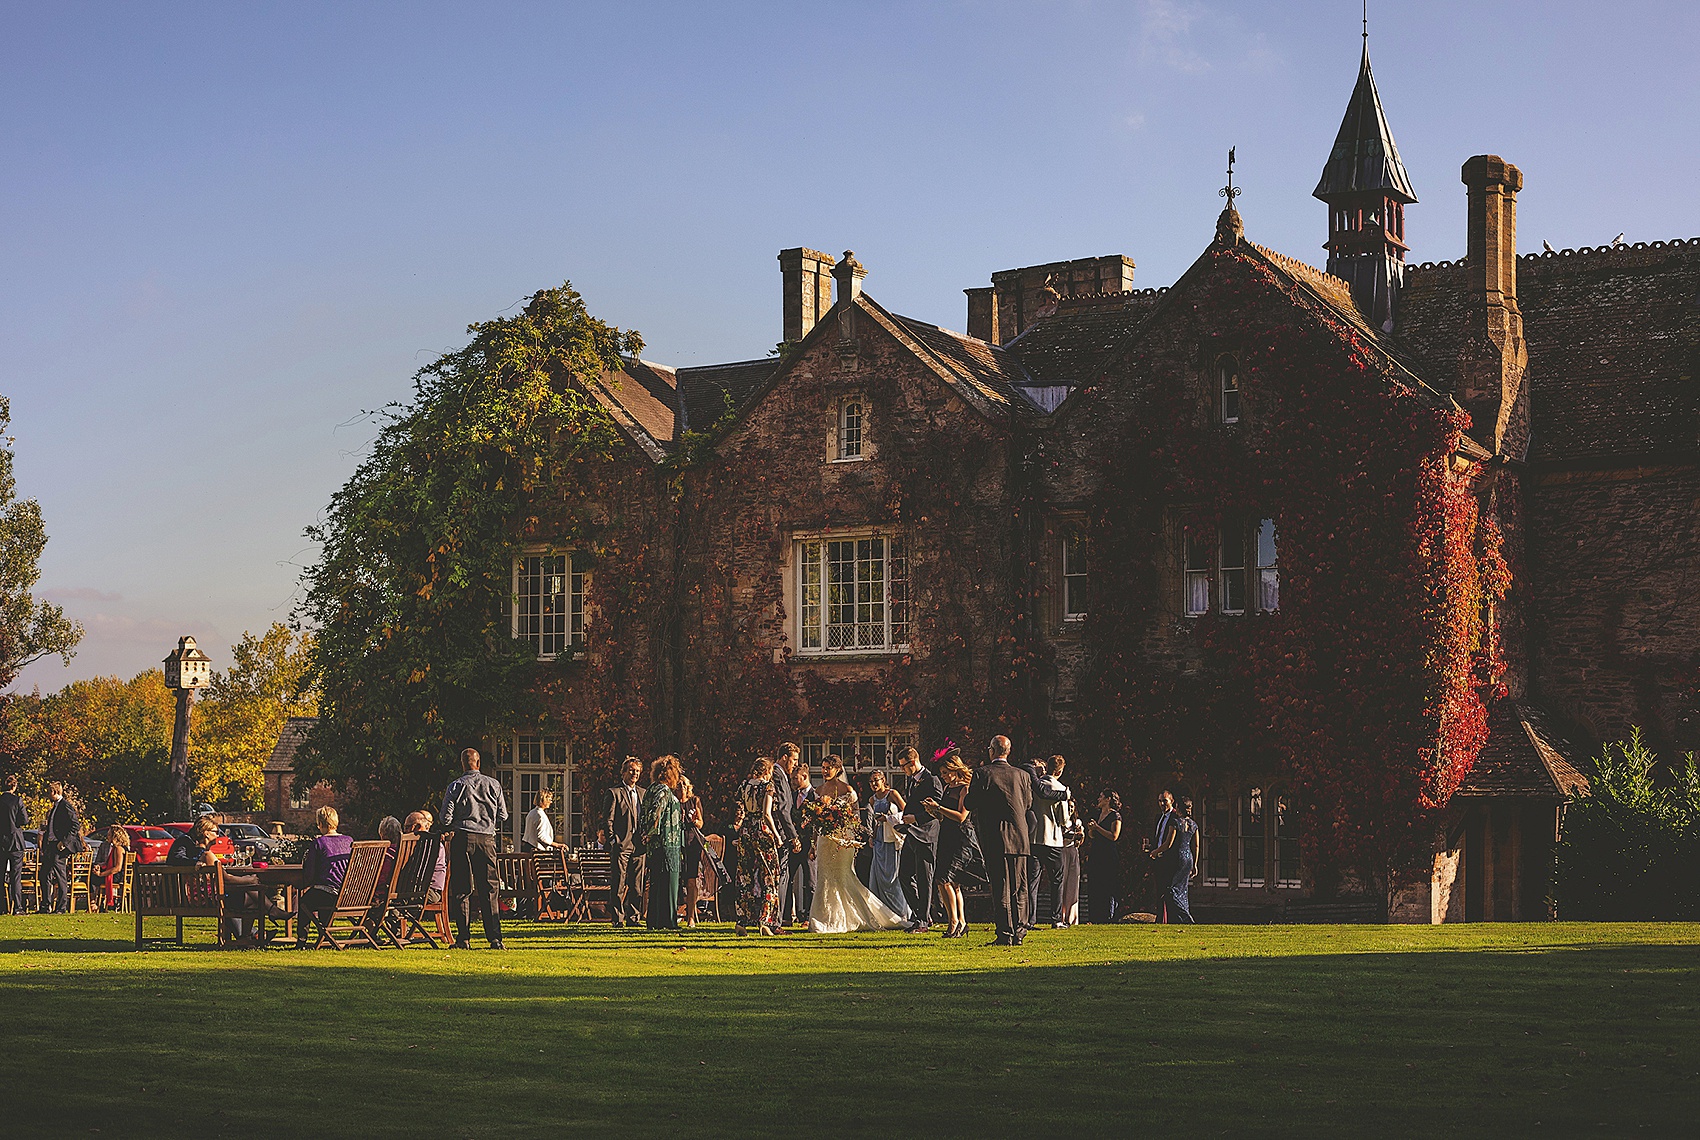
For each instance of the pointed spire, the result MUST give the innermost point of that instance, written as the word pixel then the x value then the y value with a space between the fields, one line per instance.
pixel 1364 157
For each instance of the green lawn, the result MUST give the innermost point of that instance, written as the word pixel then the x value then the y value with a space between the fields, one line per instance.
pixel 1092 1033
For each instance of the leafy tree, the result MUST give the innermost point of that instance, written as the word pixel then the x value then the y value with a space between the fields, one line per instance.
pixel 1631 847
pixel 412 658
pixel 29 629
pixel 109 740
pixel 240 713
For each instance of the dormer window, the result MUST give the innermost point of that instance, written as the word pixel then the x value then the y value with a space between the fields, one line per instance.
pixel 1228 386
pixel 850 423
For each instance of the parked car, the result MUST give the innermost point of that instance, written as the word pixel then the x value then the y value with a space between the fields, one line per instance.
pixel 149 844
pixel 251 837
pixel 221 846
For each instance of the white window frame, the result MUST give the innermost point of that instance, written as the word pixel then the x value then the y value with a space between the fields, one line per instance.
pixel 879 602
pixel 1228 573
pixel 1076 577
pixel 1252 799
pixel 1268 567
pixel 1195 579
pixel 852 430
pixel 1284 835
pixel 863 750
pixel 531 763
pixel 1228 388
pixel 300 795
pixel 555 621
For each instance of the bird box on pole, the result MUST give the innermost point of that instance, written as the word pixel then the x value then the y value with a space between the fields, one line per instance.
pixel 186 670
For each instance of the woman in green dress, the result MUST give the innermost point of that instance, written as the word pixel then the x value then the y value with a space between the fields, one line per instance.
pixel 663 830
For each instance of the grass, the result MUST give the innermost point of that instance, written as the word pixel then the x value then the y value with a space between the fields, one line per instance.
pixel 1482 1030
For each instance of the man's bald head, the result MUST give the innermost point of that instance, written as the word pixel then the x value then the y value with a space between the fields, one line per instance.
pixel 1000 748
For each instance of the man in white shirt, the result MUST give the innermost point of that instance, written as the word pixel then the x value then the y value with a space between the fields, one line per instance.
pixel 1048 848
pixel 539 832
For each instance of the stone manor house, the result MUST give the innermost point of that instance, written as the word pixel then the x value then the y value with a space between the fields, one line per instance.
pixel 892 532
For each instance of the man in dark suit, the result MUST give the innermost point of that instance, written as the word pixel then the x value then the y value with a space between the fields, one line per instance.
pixel 61 837
pixel 802 897
pixel 625 846
pixel 784 805
pixel 999 799
pixel 920 838
pixel 12 820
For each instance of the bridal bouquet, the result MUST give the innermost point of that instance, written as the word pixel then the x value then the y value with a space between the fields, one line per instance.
pixel 834 819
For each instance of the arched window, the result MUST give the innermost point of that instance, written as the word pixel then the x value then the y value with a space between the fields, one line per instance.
pixel 850 429
pixel 1228 385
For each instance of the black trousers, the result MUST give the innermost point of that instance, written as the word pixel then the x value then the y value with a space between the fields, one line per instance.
pixel 1008 874
pixel 627 901
pixel 784 887
pixel 915 869
pixel 11 882
pixel 55 878
pixel 472 871
pixel 1049 862
pixel 801 898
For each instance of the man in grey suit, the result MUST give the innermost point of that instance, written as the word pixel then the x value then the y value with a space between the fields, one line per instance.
pixel 999 798
pixel 784 807
pixel 625 846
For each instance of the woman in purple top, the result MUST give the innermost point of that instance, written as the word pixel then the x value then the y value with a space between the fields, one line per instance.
pixel 321 875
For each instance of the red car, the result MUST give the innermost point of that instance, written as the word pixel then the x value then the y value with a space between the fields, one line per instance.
pixel 221 846
pixel 149 844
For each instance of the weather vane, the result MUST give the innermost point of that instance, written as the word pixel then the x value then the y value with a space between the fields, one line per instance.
pixel 1230 191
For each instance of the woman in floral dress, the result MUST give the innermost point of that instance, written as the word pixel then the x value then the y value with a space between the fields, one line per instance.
pixel 758 852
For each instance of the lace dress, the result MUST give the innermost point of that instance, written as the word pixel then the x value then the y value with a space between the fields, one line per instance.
pixel 842 904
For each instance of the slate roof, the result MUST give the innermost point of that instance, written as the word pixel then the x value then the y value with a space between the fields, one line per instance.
pixel 656 405
pixel 705 392
pixel 1613 338
pixel 1364 157
pixel 294 732
pixel 1067 348
pixel 987 371
pixel 1525 755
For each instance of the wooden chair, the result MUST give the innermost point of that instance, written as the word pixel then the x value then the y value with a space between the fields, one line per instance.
pixel 31 880
pixel 388 875
pixel 591 886
pixel 354 899
pixel 408 906
pixel 550 869
pixel 126 885
pixel 710 883
pixel 82 871
pixel 518 873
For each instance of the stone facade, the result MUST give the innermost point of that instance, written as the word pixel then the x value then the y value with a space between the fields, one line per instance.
pixel 876 537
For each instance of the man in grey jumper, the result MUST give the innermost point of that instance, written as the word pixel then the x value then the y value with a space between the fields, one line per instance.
pixel 474 811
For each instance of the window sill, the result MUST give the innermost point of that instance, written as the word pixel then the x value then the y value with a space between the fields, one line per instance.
pixel 850 459
pixel 813 655
pixel 575 655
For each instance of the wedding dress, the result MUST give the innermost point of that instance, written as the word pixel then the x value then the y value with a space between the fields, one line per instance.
pixel 842 904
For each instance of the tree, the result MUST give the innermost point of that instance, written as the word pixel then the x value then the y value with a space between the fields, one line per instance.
pixel 412 659
pixel 241 712
pixel 109 740
pixel 29 629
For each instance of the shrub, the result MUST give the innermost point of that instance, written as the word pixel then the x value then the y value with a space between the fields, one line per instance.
pixel 1631 848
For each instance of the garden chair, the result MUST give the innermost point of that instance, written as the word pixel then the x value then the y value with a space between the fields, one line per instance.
pixel 31 879
pixel 126 883
pixel 550 869
pixel 387 878
pixel 82 871
pixel 590 886
pixel 354 899
pixel 180 892
pixel 405 912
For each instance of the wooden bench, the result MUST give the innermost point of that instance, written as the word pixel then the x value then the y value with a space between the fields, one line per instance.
pixel 158 891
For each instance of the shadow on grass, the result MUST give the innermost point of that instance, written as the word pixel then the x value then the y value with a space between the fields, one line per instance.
pixel 1458 1043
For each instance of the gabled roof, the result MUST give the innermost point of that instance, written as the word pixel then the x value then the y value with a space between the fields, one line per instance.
pixel 1364 157
pixel 1066 348
pixel 706 392
pixel 980 371
pixel 655 405
pixel 295 730
pixel 1525 755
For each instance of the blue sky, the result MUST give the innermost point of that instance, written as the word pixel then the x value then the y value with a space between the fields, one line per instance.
pixel 226 230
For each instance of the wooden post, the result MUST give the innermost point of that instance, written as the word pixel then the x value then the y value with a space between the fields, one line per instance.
pixel 180 755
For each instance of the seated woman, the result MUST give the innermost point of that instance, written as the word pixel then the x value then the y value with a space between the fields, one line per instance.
pixel 321 875
pixel 419 823
pixel 195 849
pixel 113 855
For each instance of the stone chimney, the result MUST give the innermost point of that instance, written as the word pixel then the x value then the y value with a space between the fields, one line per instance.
pixel 1019 297
pixel 848 273
pixel 983 314
pixel 1491 353
pixel 807 281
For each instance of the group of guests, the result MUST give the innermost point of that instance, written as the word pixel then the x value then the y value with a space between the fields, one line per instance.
pixel 61 838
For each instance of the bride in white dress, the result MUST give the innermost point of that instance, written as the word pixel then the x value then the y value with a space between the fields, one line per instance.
pixel 842 904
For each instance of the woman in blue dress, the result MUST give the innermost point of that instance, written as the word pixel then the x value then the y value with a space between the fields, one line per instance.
pixel 885 808
pixel 1180 846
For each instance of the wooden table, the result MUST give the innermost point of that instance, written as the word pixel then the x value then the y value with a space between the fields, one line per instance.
pixel 289 876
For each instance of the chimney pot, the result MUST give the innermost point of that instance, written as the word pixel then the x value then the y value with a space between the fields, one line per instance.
pixel 848 273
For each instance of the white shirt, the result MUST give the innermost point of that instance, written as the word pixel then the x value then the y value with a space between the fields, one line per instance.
pixel 1050 827
pixel 539 832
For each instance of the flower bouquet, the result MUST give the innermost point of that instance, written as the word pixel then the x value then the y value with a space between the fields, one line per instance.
pixel 836 820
